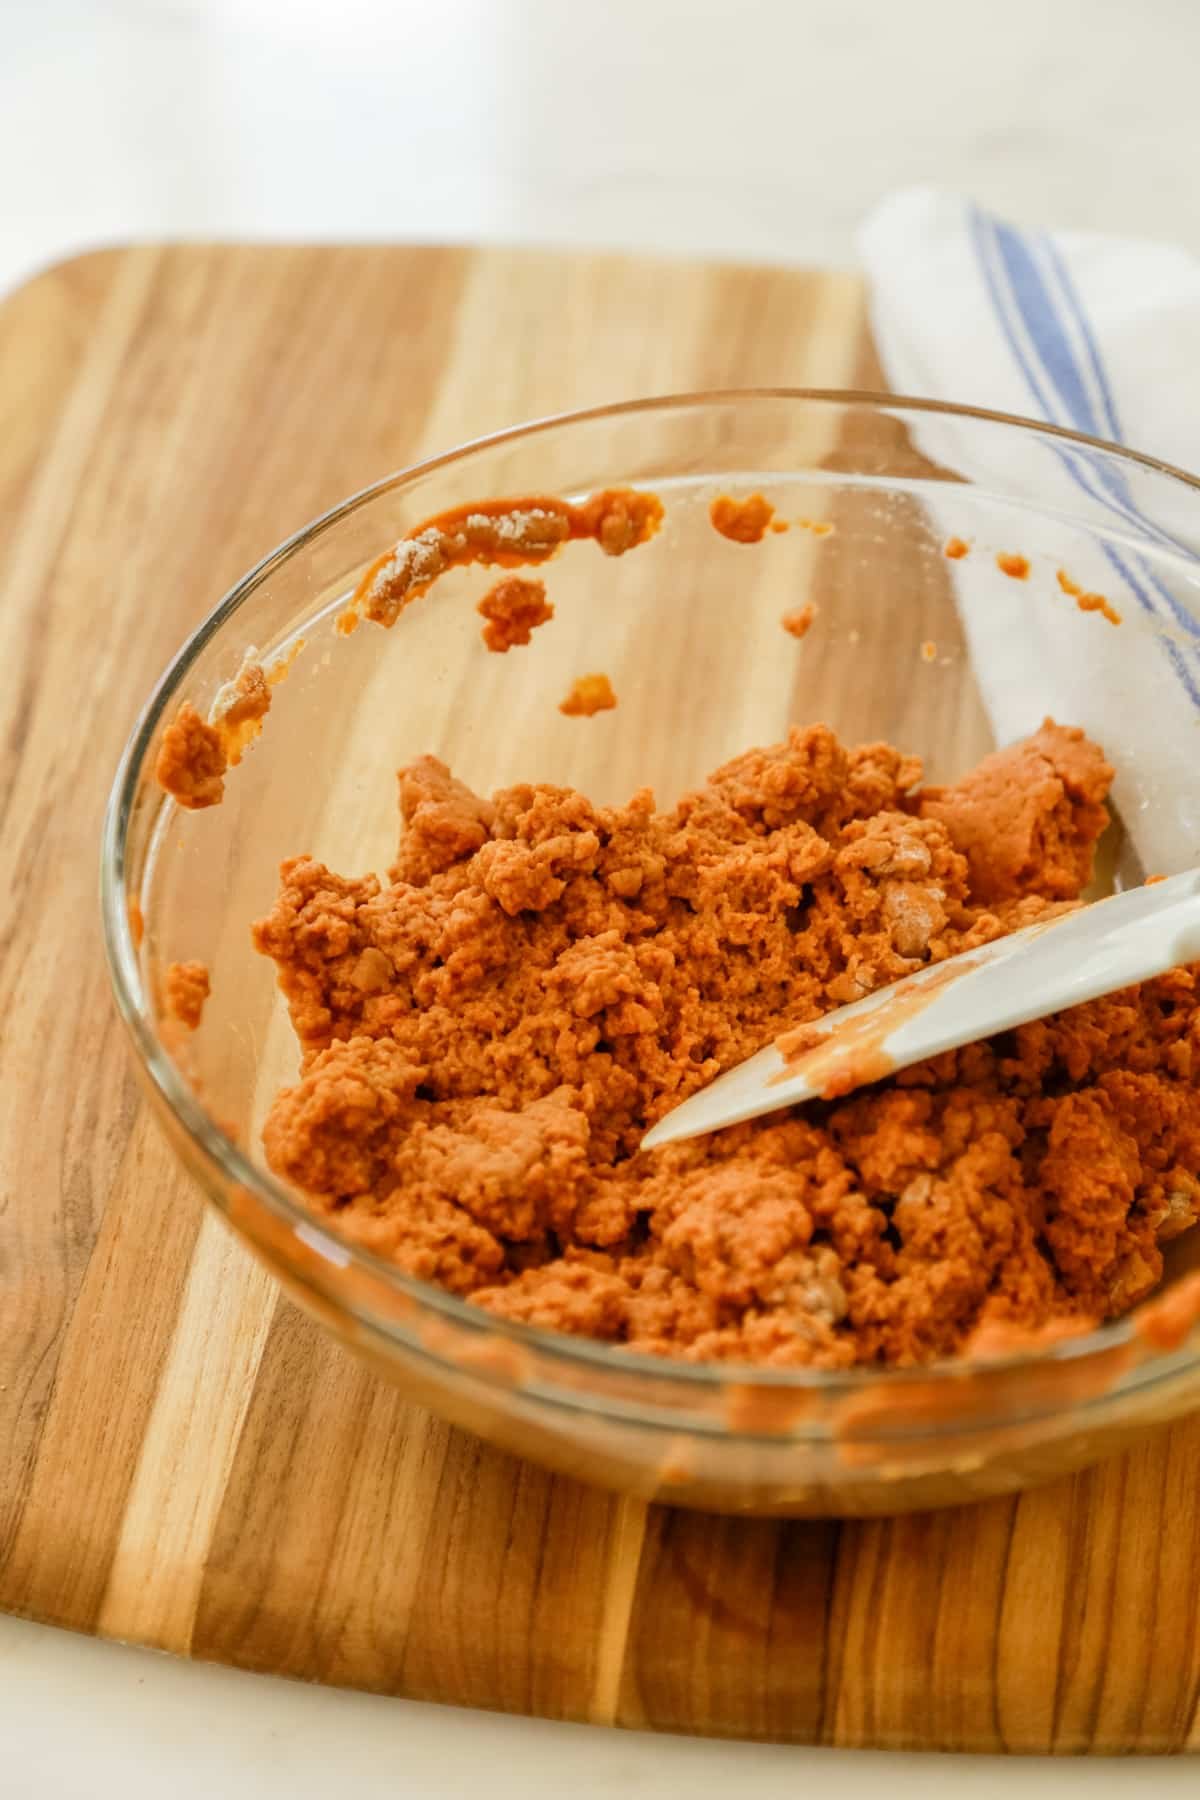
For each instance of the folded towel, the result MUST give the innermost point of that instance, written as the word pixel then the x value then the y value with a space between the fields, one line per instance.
pixel 1102 336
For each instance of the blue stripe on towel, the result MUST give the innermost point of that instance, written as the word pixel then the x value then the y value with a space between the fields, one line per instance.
pixel 1055 371
pixel 1051 343
pixel 1068 455
pixel 1173 653
pixel 1045 328
pixel 1108 405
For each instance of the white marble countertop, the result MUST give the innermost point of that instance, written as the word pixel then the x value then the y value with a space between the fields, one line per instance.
pixel 541 121
pixel 80 1718
pixel 549 120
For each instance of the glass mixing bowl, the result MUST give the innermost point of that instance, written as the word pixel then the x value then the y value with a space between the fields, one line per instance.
pixel 940 656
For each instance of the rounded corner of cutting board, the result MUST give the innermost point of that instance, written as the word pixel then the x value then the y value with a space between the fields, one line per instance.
pixel 318 1525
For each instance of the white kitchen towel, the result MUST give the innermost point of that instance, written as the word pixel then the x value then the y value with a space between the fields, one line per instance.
pixel 1100 335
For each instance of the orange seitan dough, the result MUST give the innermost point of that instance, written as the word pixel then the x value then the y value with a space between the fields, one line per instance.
pixel 191 761
pixel 1028 817
pixel 742 521
pixel 194 756
pixel 514 607
pixel 798 624
pixel 487 1034
pixel 185 989
pixel 1017 567
pixel 589 694
pixel 240 714
pixel 1087 603
pixel 508 533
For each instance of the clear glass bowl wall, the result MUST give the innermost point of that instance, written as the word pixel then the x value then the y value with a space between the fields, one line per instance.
pixel 688 630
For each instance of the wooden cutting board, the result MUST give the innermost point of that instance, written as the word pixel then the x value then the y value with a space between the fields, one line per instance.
pixel 185 1460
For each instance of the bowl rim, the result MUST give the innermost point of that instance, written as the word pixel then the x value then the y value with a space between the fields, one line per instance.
pixel 216 1147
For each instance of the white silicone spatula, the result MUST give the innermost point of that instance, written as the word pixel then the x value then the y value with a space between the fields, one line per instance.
pixel 1075 957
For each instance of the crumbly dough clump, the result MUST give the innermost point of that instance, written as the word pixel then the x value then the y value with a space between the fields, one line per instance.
pixel 191 761
pixel 185 989
pixel 195 756
pixel 742 521
pixel 513 607
pixel 487 1034
pixel 589 695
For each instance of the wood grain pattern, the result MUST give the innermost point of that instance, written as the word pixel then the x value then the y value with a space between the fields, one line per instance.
pixel 185 1460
